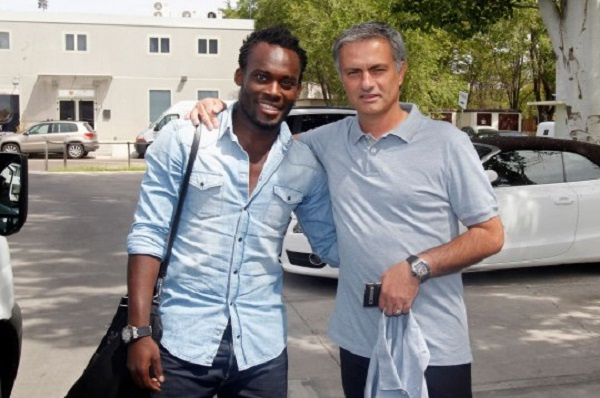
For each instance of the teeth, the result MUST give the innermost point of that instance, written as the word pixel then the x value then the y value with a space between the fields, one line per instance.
pixel 267 106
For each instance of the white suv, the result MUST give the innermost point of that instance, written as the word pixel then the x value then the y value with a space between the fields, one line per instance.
pixel 79 138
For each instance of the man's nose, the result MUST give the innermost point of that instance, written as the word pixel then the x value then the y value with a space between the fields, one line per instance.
pixel 273 89
pixel 367 81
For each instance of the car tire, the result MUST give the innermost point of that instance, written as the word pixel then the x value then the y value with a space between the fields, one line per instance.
pixel 75 151
pixel 10 147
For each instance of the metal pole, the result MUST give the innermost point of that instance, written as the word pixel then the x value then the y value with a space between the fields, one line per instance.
pixel 65 156
pixel 46 157
pixel 128 156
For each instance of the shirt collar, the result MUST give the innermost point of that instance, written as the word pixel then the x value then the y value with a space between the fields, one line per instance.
pixel 226 129
pixel 405 130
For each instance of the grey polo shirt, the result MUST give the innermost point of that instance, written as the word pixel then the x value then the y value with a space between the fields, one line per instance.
pixel 396 196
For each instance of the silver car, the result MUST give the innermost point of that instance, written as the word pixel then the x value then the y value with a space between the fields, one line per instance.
pixel 79 138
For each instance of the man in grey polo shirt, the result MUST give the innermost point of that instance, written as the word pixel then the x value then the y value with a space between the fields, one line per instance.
pixel 400 183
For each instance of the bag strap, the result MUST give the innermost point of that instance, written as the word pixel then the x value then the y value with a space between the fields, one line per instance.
pixel 177 213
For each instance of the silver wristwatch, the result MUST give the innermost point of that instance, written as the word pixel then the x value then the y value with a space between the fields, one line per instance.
pixel 419 268
pixel 130 333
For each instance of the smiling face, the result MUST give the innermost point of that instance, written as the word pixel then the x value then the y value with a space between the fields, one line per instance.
pixel 370 76
pixel 270 85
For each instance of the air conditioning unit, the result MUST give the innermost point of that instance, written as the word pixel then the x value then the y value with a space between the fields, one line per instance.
pixel 186 14
pixel 211 15
pixel 158 6
pixel 157 14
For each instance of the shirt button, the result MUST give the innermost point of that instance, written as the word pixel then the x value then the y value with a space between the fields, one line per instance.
pixel 373 150
pixel 231 303
pixel 239 239
pixel 201 184
pixel 238 336
pixel 235 272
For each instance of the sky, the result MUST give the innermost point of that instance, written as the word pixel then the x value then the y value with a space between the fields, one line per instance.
pixel 129 7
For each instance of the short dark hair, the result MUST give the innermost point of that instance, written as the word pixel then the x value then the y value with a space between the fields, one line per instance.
pixel 275 35
pixel 371 30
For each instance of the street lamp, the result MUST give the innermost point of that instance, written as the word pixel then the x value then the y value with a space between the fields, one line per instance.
pixel 43 4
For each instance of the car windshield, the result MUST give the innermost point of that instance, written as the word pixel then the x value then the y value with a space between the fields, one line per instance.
pixel 482 150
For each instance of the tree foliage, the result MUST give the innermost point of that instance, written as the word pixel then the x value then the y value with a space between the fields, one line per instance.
pixel 497 49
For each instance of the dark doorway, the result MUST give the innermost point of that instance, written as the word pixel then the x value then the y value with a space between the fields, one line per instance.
pixel 66 110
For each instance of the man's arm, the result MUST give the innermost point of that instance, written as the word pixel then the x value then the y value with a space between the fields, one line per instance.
pixel 399 287
pixel 143 353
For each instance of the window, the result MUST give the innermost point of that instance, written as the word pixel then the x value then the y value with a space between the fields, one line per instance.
pixel 207 94
pixel 579 168
pixel 75 42
pixel 4 41
pixel 302 123
pixel 484 119
pixel 65 128
pixel 160 45
pixel 527 168
pixel 40 129
pixel 208 46
pixel 160 101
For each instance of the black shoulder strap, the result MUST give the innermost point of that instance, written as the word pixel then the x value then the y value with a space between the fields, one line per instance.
pixel 177 213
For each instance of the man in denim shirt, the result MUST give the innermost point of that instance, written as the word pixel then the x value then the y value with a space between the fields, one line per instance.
pixel 221 307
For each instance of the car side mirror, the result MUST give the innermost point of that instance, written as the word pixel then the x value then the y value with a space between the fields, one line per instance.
pixel 13 192
pixel 492 176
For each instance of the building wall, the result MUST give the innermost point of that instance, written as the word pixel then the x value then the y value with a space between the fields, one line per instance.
pixel 117 71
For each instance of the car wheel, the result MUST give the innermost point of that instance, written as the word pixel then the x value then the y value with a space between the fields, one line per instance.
pixel 75 151
pixel 10 147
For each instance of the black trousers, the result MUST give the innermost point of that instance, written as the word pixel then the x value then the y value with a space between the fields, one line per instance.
pixel 442 381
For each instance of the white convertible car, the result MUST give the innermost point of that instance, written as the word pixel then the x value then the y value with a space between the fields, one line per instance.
pixel 548 193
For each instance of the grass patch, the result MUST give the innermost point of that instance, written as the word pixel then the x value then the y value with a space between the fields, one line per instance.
pixel 98 168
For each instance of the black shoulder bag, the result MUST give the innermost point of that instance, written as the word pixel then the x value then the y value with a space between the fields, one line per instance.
pixel 106 375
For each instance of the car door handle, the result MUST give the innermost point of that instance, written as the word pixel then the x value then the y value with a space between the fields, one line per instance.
pixel 563 200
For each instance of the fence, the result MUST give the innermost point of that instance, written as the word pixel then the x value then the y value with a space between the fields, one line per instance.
pixel 65 155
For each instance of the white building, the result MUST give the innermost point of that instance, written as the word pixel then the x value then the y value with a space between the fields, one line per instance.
pixel 118 72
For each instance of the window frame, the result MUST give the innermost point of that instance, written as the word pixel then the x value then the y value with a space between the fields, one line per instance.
pixel 208 53
pixel 159 38
pixel 217 91
pixel 9 33
pixel 76 36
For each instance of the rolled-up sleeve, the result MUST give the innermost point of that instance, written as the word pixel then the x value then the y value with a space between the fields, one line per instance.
pixel 158 194
pixel 316 219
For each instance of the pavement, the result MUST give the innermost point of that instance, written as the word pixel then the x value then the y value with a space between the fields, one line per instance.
pixel 534 332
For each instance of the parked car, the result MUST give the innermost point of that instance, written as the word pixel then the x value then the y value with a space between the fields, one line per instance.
pixel 304 118
pixel 78 137
pixel 13 214
pixel 489 132
pixel 176 111
pixel 547 189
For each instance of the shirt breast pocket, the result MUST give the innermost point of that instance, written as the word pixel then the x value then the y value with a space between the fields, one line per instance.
pixel 205 194
pixel 284 200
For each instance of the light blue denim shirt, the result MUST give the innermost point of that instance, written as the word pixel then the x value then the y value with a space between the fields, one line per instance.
pixel 225 258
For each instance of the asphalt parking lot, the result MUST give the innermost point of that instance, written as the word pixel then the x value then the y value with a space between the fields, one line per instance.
pixel 534 332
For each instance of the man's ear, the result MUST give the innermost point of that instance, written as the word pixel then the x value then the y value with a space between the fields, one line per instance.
pixel 402 72
pixel 238 77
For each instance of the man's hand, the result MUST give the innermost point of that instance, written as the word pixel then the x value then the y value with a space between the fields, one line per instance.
pixel 398 289
pixel 206 111
pixel 142 355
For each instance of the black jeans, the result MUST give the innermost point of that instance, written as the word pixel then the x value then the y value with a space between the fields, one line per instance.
pixel 442 381
pixel 223 378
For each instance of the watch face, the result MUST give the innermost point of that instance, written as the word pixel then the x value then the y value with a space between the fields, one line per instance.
pixel 126 334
